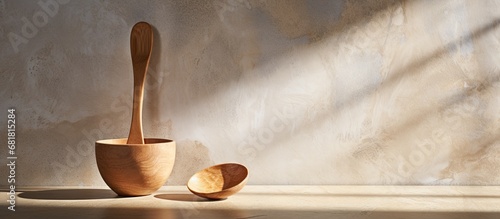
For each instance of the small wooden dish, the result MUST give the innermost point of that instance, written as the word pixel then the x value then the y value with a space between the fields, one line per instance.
pixel 219 181
pixel 135 169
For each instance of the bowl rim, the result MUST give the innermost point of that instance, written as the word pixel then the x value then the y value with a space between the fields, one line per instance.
pixel 223 190
pixel 152 141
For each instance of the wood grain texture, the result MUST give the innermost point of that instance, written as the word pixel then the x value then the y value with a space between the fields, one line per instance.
pixel 219 181
pixel 135 169
pixel 141 45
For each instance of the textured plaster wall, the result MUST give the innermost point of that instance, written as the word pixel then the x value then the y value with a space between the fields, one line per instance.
pixel 301 92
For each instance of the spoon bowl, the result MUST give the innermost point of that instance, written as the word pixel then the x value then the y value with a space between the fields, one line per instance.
pixel 219 181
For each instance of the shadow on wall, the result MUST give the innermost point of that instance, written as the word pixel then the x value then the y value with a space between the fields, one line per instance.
pixel 205 65
pixel 214 47
pixel 191 157
pixel 154 71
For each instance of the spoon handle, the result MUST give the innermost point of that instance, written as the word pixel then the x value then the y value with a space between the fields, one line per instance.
pixel 136 135
pixel 141 42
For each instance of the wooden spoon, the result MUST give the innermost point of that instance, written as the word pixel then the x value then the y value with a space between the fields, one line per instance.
pixel 141 44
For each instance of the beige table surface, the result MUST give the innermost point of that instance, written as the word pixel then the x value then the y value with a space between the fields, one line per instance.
pixel 261 202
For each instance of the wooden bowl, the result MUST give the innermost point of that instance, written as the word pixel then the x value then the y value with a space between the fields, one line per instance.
pixel 135 169
pixel 219 181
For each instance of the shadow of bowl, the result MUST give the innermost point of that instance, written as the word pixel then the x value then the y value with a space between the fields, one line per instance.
pixel 182 198
pixel 69 194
